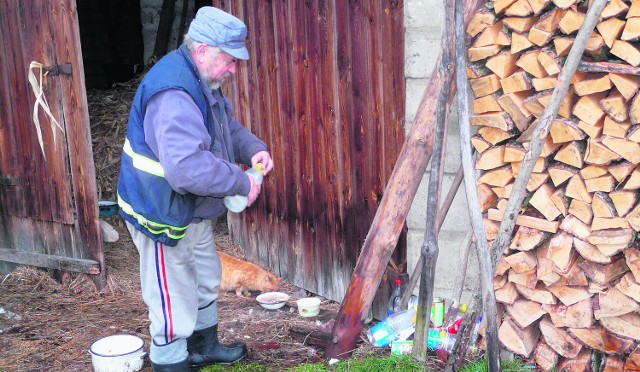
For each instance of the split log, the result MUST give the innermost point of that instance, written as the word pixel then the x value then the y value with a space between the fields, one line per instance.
pixel 632 259
pixel 627 325
pixel 518 340
pixel 590 252
pixel 570 295
pixel 598 338
pixel 633 361
pixel 629 287
pixel 545 357
pixel 578 315
pixel 527 238
pixel 507 294
pixel 539 294
pixel 581 363
pixel 612 364
pixel 614 303
pixel 604 274
pixel 560 341
pixel 524 312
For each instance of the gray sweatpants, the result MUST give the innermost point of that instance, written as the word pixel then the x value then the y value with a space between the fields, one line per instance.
pixel 179 287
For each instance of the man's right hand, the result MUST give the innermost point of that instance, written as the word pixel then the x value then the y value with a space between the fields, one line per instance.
pixel 254 191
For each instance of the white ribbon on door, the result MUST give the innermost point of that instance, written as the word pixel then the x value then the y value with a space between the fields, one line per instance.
pixel 41 101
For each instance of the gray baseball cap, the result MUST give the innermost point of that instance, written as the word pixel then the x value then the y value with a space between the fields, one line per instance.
pixel 216 27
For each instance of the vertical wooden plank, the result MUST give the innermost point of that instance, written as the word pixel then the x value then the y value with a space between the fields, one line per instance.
pixel 76 115
pixel 362 153
pixel 348 213
pixel 331 180
pixel 393 85
pixel 286 195
pixel 10 196
pixel 17 85
pixel 315 142
pixel 391 35
pixel 376 131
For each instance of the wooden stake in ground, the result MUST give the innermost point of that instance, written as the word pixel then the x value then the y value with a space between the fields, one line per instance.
pixel 442 214
pixel 542 130
pixel 391 214
pixel 487 270
pixel 429 251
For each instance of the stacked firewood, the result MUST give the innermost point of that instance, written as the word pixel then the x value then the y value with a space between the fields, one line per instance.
pixel 569 285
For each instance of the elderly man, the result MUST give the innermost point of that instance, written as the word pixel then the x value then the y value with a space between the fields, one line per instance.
pixel 178 163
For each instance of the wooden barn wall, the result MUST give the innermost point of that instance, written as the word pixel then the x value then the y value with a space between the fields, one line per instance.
pixel 47 201
pixel 324 87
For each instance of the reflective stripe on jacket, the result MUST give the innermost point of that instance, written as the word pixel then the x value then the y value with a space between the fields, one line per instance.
pixel 145 198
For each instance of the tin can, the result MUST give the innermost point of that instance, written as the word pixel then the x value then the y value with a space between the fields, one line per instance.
pixel 437 311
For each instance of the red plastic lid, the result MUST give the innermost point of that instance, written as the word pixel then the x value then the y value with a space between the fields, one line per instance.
pixel 398 281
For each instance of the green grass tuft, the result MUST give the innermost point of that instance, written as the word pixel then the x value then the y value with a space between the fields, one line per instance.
pixel 514 365
pixel 394 363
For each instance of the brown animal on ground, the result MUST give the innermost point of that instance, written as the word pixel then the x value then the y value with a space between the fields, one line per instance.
pixel 242 276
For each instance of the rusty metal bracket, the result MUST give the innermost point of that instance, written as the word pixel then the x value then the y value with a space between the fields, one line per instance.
pixel 63 69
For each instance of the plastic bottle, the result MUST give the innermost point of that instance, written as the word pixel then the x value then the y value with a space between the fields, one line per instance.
pixel 237 203
pixel 396 298
pixel 388 330
pixel 439 339
pixel 473 338
pixel 454 327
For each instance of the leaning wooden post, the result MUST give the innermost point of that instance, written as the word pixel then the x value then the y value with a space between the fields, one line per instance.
pixel 442 214
pixel 391 214
pixel 429 250
pixel 490 314
pixel 541 131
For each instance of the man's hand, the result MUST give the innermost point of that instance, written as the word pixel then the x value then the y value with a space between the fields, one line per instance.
pixel 254 191
pixel 264 158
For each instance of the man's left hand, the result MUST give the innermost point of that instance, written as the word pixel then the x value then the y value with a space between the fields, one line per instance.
pixel 264 158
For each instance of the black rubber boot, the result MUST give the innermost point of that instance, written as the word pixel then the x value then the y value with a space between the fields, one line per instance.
pixel 205 350
pixel 175 367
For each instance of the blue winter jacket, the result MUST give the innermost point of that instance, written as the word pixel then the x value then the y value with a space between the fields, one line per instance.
pixel 145 197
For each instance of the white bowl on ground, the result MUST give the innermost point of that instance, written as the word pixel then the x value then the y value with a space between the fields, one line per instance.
pixel 117 353
pixel 272 300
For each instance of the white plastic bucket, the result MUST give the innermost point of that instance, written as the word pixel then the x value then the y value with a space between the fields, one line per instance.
pixel 118 353
pixel 309 306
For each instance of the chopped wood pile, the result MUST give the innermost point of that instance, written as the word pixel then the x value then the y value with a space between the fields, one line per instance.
pixel 569 285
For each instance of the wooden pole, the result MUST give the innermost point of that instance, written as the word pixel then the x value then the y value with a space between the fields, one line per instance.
pixel 391 214
pixel 442 214
pixel 456 293
pixel 167 13
pixel 541 131
pixel 490 316
pixel 430 249
pixel 608 67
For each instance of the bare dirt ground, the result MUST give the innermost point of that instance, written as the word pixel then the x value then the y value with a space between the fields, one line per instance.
pixel 46 325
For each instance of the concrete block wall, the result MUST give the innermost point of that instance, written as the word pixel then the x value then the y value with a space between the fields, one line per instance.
pixel 423 19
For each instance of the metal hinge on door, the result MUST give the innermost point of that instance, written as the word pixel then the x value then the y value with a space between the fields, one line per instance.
pixel 9 181
pixel 63 69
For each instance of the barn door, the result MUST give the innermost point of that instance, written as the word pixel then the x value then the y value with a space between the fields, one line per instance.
pixel 48 200
pixel 35 180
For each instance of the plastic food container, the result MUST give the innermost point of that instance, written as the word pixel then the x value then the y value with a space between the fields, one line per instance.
pixel 272 300
pixel 117 353
pixel 308 306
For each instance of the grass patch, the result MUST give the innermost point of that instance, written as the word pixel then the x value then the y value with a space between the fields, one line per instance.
pixel 394 363
pixel 482 365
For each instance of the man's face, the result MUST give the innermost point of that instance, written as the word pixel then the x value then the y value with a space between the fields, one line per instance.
pixel 217 67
